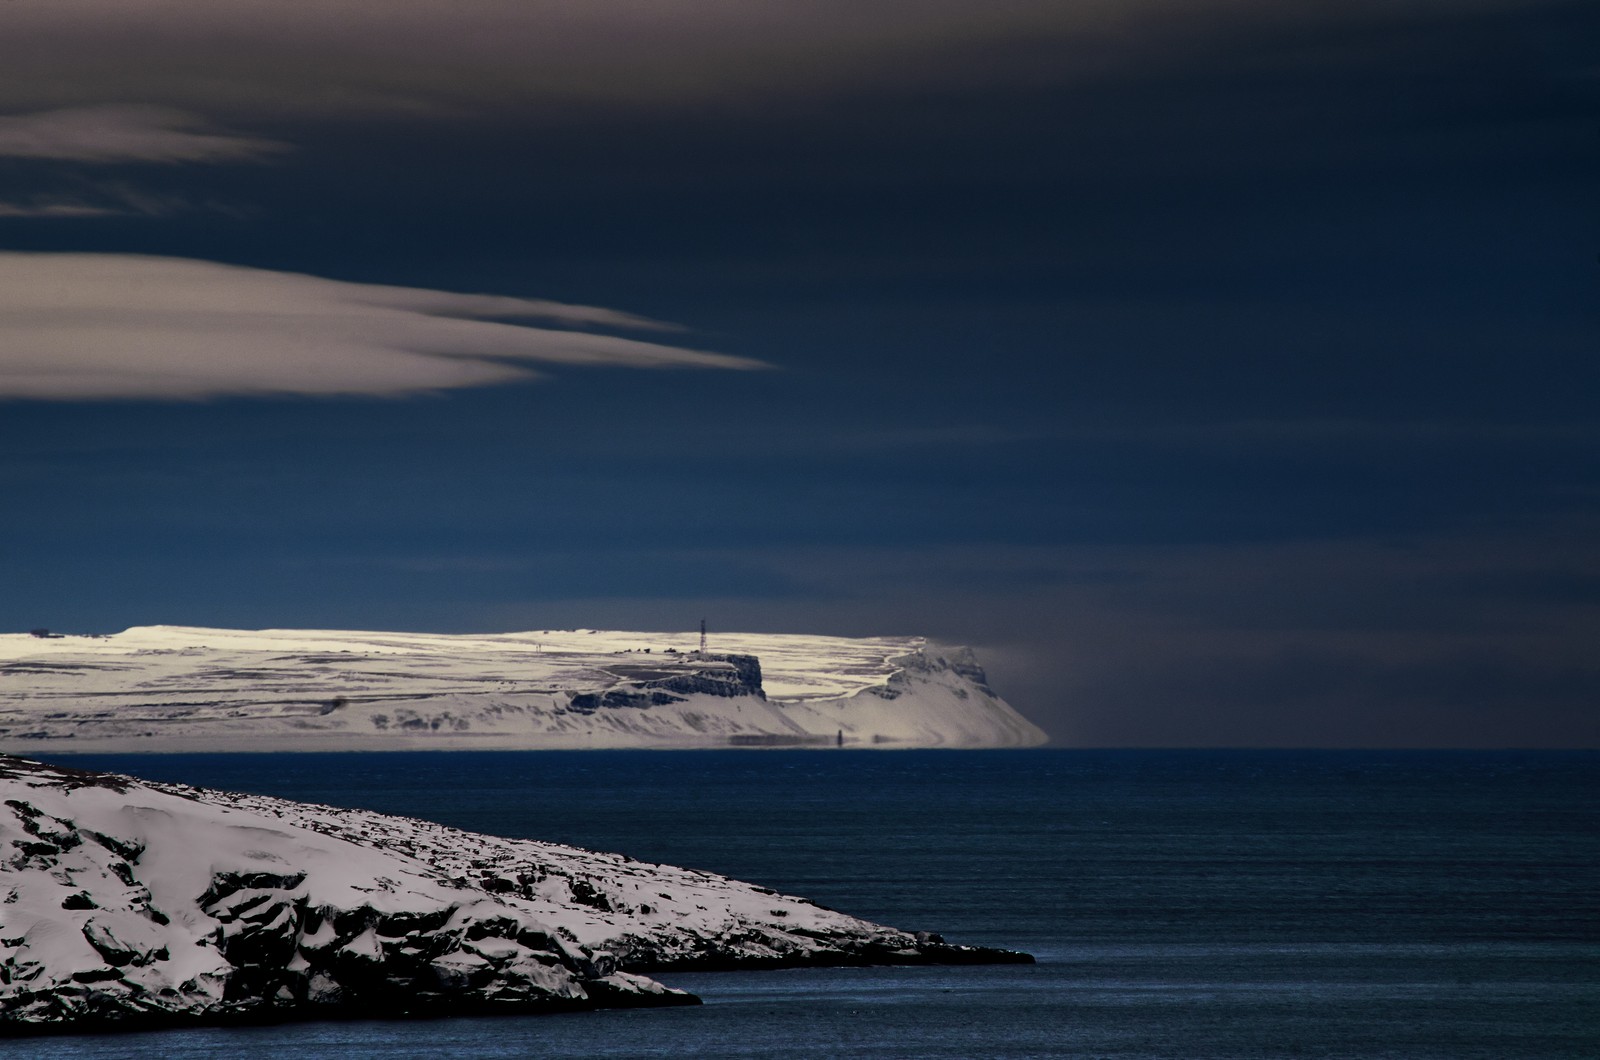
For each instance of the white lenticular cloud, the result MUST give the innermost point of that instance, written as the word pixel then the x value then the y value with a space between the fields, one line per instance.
pixel 117 134
pixel 82 327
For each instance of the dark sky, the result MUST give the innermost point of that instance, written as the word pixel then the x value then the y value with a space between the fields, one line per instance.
pixel 1226 376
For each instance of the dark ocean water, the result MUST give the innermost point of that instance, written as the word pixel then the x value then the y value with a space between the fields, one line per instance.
pixel 1181 904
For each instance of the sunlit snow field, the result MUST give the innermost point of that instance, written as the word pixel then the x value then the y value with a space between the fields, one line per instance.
pixel 193 689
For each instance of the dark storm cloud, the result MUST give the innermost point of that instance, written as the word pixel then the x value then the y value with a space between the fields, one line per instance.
pixel 339 56
pixel 335 55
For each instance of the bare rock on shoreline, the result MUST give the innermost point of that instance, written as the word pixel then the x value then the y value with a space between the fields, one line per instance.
pixel 126 904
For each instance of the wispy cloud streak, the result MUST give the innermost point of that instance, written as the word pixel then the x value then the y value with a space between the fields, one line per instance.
pixel 112 134
pixel 77 327
pixel 55 209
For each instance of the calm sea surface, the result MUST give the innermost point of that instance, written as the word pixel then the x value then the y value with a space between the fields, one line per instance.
pixel 1181 904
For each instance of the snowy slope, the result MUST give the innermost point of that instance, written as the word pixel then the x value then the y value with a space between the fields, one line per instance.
pixel 180 688
pixel 127 903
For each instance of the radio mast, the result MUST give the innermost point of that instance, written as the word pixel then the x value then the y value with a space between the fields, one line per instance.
pixel 702 638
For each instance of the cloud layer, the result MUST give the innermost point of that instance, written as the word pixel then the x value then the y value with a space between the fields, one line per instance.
pixel 107 327
pixel 119 133
pixel 327 56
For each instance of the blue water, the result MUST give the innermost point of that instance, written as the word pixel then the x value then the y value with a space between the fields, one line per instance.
pixel 1181 904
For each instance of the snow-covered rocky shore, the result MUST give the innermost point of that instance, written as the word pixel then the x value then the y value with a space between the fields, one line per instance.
pixel 126 904
pixel 172 688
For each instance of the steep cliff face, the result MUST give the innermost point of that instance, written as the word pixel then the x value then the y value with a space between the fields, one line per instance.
pixel 176 688
pixel 126 904
pixel 933 698
pixel 723 676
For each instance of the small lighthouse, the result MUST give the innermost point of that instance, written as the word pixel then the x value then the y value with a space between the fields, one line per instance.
pixel 702 638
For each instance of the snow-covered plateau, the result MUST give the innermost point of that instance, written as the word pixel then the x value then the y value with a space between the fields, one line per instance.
pixel 126 904
pixel 174 688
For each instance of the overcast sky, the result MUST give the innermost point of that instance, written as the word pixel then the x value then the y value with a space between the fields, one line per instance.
pixel 1225 372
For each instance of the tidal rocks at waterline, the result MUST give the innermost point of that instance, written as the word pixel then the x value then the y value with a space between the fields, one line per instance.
pixel 126 904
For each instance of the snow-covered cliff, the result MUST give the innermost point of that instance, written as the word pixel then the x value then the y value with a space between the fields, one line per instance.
pixel 130 904
pixel 176 688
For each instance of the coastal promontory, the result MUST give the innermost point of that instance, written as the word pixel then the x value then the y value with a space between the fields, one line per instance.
pixel 179 688
pixel 128 905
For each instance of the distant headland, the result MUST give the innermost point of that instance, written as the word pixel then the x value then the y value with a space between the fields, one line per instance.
pixel 178 688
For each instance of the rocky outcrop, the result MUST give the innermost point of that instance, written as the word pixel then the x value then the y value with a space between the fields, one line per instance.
pixel 639 687
pixel 126 905
pixel 105 928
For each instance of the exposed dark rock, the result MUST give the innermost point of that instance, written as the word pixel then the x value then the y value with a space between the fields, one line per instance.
pixel 117 950
pixel 456 923
pixel 584 893
pixel 127 850
pixel 724 676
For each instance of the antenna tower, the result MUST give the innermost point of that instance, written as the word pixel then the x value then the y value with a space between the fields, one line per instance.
pixel 702 638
